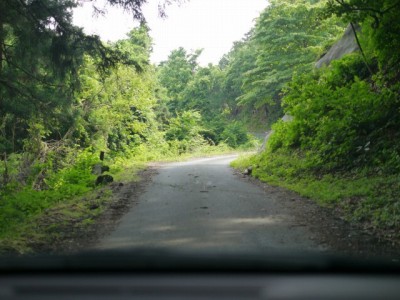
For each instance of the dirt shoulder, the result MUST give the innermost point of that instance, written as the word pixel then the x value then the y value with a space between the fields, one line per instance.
pixel 329 226
pixel 124 197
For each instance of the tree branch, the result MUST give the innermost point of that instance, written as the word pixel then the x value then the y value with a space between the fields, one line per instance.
pixel 361 49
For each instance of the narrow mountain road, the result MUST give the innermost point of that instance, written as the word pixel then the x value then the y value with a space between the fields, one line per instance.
pixel 202 205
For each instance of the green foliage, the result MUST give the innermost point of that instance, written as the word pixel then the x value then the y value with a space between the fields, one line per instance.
pixel 185 126
pixel 235 135
pixel 204 92
pixel 175 74
pixel 41 52
pixel 78 172
pixel 240 60
pixel 340 121
pixel 116 112
pixel 288 36
pixel 136 48
pixel 184 130
pixel 380 27
pixel 188 88
pixel 73 180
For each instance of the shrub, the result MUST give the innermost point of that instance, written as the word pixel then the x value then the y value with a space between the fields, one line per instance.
pixel 235 135
pixel 341 122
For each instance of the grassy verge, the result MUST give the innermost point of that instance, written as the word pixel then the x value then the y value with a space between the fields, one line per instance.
pixel 52 225
pixel 58 223
pixel 372 200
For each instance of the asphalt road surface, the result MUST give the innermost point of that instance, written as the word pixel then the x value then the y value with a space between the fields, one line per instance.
pixel 202 205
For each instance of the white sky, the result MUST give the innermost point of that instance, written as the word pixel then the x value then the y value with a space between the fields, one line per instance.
pixel 209 24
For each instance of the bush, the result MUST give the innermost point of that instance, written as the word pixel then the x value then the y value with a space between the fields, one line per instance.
pixel 185 126
pixel 235 135
pixel 340 122
pixel 78 172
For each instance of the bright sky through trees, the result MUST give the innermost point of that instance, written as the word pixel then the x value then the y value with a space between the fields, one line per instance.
pixel 209 24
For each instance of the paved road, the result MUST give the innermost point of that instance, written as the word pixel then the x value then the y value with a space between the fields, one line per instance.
pixel 201 204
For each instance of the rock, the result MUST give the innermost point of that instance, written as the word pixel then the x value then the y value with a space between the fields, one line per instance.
pixel 105 169
pixel 99 169
pixel 248 171
pixel 104 179
pixel 96 169
pixel 93 206
pixel 347 44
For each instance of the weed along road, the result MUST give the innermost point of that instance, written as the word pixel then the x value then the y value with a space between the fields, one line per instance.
pixel 202 204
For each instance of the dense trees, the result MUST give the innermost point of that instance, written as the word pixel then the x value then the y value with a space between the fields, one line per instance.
pixel 63 92
pixel 247 84
pixel 288 37
pixel 41 54
pixel 175 74
pixel 240 60
pixel 196 93
pixel 346 116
